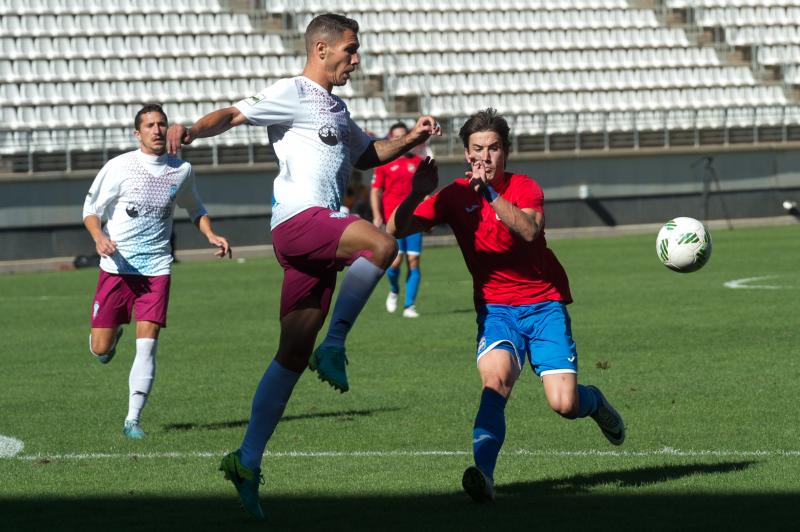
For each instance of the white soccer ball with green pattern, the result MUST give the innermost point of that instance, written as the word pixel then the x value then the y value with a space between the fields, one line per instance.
pixel 684 244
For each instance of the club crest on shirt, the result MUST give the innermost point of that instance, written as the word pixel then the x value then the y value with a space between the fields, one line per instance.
pixel 254 99
pixel 327 134
pixel 173 191
pixel 132 211
pixel 411 168
pixel 482 344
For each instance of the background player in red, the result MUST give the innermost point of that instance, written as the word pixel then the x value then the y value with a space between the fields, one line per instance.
pixel 520 289
pixel 390 185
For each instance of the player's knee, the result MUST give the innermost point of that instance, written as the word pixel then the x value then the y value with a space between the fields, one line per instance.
pixel 564 406
pixel 498 383
pixel 384 251
pixel 100 346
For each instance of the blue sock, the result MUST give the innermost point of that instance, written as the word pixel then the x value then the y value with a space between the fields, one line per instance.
pixel 412 286
pixel 489 431
pixel 269 402
pixel 588 401
pixel 393 274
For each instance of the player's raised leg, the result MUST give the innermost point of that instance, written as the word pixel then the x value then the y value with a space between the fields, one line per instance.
pixel 572 400
pixel 556 359
pixel 370 251
pixel 103 342
pixel 499 369
pixel 111 308
pixel 242 467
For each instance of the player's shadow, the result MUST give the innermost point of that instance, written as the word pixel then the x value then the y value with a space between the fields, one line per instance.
pixel 639 477
pixel 567 503
pixel 343 415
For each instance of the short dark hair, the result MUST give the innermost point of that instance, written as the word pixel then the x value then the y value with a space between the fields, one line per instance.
pixel 149 108
pixel 487 120
pixel 398 125
pixel 328 25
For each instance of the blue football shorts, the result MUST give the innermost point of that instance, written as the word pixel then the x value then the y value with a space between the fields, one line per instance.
pixel 541 332
pixel 411 244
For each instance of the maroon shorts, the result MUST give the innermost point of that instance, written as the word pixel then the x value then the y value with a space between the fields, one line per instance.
pixel 117 295
pixel 305 245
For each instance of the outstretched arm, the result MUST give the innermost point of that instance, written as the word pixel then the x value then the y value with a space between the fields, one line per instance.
pixel 212 124
pixel 203 224
pixel 382 151
pixel 403 222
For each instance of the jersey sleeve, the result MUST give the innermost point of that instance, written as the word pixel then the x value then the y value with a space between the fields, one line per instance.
pixel 276 104
pixel 189 198
pixel 103 192
pixel 359 141
pixel 531 196
pixel 432 210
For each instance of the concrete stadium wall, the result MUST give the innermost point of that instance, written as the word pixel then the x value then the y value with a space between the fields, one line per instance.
pixel 40 215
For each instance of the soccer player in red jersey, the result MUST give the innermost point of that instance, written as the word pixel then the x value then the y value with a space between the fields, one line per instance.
pixel 520 289
pixel 390 185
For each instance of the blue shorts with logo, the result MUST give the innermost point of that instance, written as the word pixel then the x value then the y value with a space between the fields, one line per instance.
pixel 541 332
pixel 411 244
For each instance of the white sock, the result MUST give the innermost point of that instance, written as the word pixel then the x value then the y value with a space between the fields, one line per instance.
pixel 358 284
pixel 143 372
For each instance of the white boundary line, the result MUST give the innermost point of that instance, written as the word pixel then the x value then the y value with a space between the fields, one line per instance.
pixel 745 283
pixel 666 451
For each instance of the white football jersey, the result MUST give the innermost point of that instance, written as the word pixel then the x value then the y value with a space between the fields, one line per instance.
pixel 137 193
pixel 315 140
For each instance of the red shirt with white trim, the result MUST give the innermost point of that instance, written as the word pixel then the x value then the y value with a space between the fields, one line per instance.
pixel 394 179
pixel 505 269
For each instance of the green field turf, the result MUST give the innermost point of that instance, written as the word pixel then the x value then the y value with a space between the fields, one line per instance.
pixel 704 375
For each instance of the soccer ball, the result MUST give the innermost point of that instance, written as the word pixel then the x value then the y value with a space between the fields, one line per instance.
pixel 684 244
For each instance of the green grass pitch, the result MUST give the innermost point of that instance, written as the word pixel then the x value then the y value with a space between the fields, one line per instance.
pixel 704 375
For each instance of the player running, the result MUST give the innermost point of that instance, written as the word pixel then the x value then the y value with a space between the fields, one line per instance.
pixel 317 144
pixel 390 185
pixel 137 192
pixel 520 289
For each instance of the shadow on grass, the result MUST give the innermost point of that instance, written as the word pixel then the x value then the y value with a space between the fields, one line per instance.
pixel 344 415
pixel 562 503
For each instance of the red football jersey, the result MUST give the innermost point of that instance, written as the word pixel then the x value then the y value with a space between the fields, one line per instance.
pixel 394 179
pixel 505 269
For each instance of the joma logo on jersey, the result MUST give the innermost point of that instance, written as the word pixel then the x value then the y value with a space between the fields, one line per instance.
pixel 327 134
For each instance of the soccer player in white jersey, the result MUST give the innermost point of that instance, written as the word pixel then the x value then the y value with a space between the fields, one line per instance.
pixel 317 145
pixel 137 192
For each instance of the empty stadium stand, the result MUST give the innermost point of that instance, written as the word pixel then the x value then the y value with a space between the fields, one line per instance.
pixel 570 74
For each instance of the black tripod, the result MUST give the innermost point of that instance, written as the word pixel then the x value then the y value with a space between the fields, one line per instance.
pixel 709 177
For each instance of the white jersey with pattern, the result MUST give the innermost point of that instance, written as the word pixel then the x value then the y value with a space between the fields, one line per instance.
pixel 315 140
pixel 137 194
